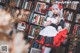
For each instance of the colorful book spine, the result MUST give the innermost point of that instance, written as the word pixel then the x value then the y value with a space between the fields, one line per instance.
pixel 30 29
pixel 70 16
pixel 41 20
pixel 37 7
pixel 25 6
pixel 33 30
pixel 17 3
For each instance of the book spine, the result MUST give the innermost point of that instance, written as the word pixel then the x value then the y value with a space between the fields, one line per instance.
pixel 25 6
pixel 18 2
pixel 33 30
pixel 27 17
pixel 30 30
pixel 28 5
pixel 21 3
pixel 69 16
pixel 27 27
pixel 37 19
pixel 37 7
pixel 75 29
pixel 41 20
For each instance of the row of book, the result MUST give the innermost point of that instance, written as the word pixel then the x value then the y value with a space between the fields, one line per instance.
pixel 76 30
pixel 69 16
pixel 72 5
pixel 34 30
pixel 41 7
pixel 22 4
pixel 38 19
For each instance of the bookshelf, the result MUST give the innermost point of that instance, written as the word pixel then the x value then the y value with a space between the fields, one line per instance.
pixel 74 31
pixel 39 10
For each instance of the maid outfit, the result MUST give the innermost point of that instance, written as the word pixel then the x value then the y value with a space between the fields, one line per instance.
pixel 50 36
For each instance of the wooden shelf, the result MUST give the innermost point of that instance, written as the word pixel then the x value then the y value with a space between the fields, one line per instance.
pixel 33 24
pixel 36 25
pixel 77 23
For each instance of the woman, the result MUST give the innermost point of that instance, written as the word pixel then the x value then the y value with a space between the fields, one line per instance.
pixel 48 37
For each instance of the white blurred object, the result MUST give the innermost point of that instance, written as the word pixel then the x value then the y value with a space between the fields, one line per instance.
pixel 5 18
pixel 6 21
pixel 59 28
pixel 21 26
pixel 19 44
pixel 18 38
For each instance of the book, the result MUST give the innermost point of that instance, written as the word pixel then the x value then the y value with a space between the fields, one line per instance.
pixel 77 18
pixel 33 31
pixel 41 8
pixel 38 19
pixel 71 4
pixel 21 26
pixel 30 29
pixel 29 5
pixel 76 30
pixel 68 15
pixel 17 3
pixel 74 5
pixel 24 5
pixel 27 26
pixel 41 21
pixel 78 7
pixel 67 24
